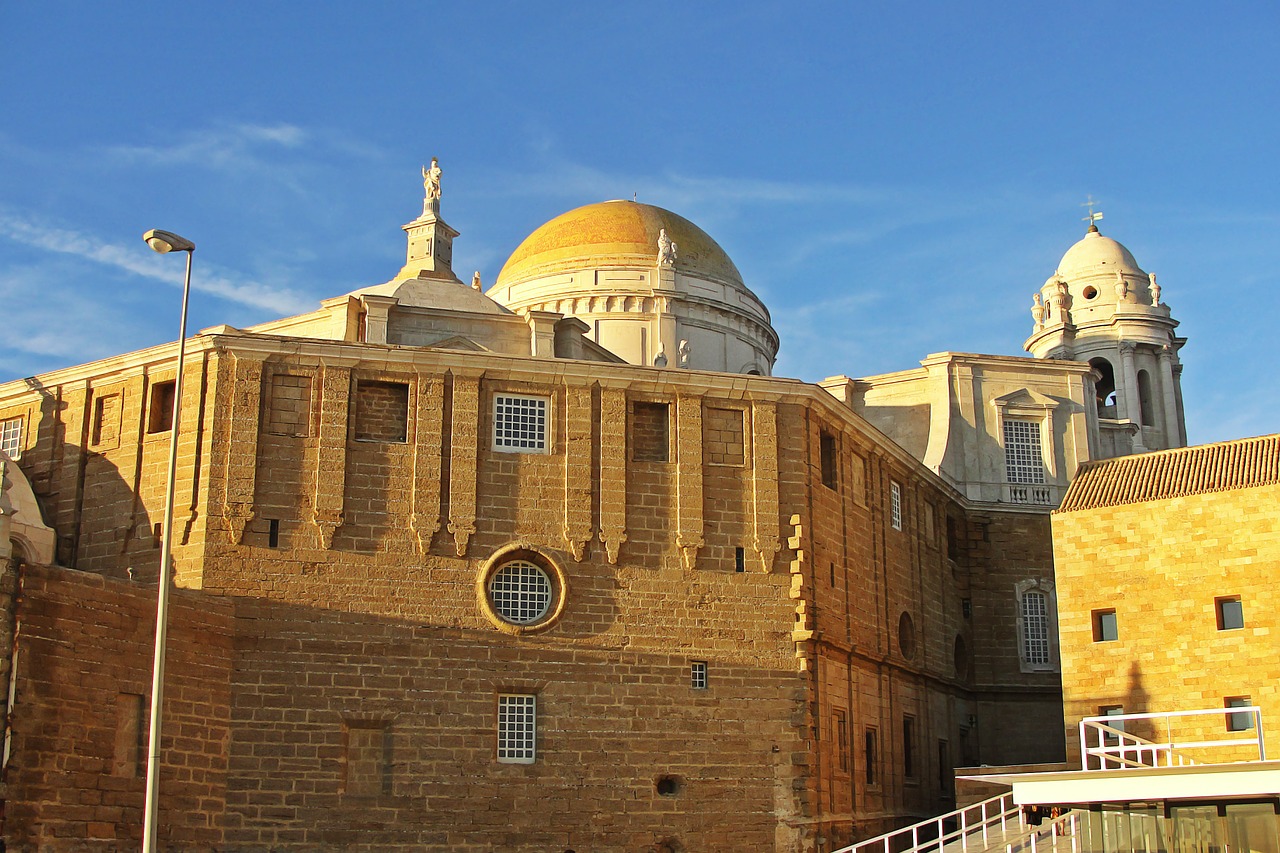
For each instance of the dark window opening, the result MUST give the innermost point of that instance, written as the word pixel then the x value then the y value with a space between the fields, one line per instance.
pixel 667 786
pixel 869 754
pixel 160 412
pixel 1105 628
pixel 739 559
pixel 908 747
pixel 1230 613
pixel 157 533
pixel 273 533
pixel 1104 387
pixel 827 458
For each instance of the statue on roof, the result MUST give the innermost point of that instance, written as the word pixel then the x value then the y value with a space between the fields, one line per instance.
pixel 431 183
pixel 666 248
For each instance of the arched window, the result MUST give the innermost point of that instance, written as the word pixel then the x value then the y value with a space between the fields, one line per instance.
pixel 1037 626
pixel 1105 387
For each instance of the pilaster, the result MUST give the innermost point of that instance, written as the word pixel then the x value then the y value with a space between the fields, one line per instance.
pixel 764 480
pixel 1168 388
pixel 689 479
pixel 577 468
pixel 463 459
pixel 424 518
pixel 331 452
pixel 613 470
pixel 242 443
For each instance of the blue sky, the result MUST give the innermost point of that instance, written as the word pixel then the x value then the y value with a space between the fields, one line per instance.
pixel 893 179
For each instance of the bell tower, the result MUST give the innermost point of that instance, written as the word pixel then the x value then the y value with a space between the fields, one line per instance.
pixel 1099 306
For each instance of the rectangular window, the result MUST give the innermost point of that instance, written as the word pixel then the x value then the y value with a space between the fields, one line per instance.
pixel 827 458
pixel 11 438
pixel 1112 711
pixel 1104 626
pixel 895 505
pixel 739 559
pixel 1230 613
pixel 519 423
pixel 650 432
pixel 909 747
pixel 1035 628
pixel 106 420
pixel 368 758
pixel 841 737
pixel 160 412
pixel 1242 722
pixel 382 411
pixel 870 742
pixel 1023 453
pixel 517 728
pixel 698 675
pixel 273 533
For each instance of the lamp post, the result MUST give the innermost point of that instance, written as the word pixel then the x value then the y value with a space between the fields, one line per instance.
pixel 164 242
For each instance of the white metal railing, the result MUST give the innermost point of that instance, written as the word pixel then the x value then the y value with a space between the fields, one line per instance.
pixel 1059 834
pixel 974 825
pixel 1112 747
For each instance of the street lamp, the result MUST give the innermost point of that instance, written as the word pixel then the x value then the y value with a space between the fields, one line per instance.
pixel 164 242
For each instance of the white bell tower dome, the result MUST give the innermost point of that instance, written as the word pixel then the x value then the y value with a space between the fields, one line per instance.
pixel 1099 306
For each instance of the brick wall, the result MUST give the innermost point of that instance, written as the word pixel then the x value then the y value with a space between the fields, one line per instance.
pixel 76 777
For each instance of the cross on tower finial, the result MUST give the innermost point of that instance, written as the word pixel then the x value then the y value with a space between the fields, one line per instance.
pixel 1093 217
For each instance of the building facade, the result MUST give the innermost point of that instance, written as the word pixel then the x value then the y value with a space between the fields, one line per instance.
pixel 457 574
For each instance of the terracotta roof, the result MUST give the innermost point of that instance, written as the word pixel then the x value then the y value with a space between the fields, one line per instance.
pixel 1174 473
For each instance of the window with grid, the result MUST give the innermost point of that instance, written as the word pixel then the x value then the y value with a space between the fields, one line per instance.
pixel 1023 459
pixel 519 423
pixel 11 437
pixel 517 728
pixel 1035 628
pixel 895 505
pixel 698 675
pixel 520 592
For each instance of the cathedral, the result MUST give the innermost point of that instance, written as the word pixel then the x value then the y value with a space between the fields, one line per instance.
pixel 554 563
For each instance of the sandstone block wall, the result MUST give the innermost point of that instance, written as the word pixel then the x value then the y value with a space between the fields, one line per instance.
pixel 1169 653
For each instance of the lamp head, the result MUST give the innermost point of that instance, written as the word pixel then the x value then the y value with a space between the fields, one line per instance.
pixel 166 241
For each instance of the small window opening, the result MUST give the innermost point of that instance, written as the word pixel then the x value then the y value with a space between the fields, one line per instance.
pixel 869 748
pixel 157 534
pixel 1104 387
pixel 1230 613
pixel 739 559
pixel 833 574
pixel 895 505
pixel 160 412
pixel 842 740
pixel 698 675
pixel 908 747
pixel 1239 722
pixel 1104 626
pixel 907 635
pixel 966 607
pixel 667 786
pixel 827 457
pixel 273 533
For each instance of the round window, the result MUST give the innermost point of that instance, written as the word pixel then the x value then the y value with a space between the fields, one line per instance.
pixel 520 592
pixel 1090 292
pixel 907 635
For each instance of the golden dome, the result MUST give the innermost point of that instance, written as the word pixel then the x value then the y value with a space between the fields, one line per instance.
pixel 617 233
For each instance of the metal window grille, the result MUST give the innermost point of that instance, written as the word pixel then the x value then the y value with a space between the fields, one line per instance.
pixel 895 505
pixel 698 675
pixel 11 437
pixel 1035 627
pixel 519 424
pixel 517 728
pixel 1023 457
pixel 520 592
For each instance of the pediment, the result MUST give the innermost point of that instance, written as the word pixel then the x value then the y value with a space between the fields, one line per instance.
pixel 457 342
pixel 1024 398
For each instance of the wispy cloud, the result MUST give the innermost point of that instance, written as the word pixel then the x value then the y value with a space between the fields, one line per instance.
pixel 138 262
pixel 231 146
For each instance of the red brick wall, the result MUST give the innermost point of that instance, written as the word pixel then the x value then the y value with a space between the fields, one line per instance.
pixel 83 640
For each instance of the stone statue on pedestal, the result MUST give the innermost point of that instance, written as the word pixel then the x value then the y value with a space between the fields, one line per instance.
pixel 666 248
pixel 431 184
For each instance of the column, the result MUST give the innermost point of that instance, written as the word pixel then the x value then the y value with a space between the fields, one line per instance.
pixel 1172 427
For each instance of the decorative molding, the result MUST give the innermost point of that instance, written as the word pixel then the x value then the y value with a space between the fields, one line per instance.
pixel 331 452
pixel 577 468
pixel 424 517
pixel 464 446
pixel 613 470
pixel 802 632
pixel 764 480
pixel 689 479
